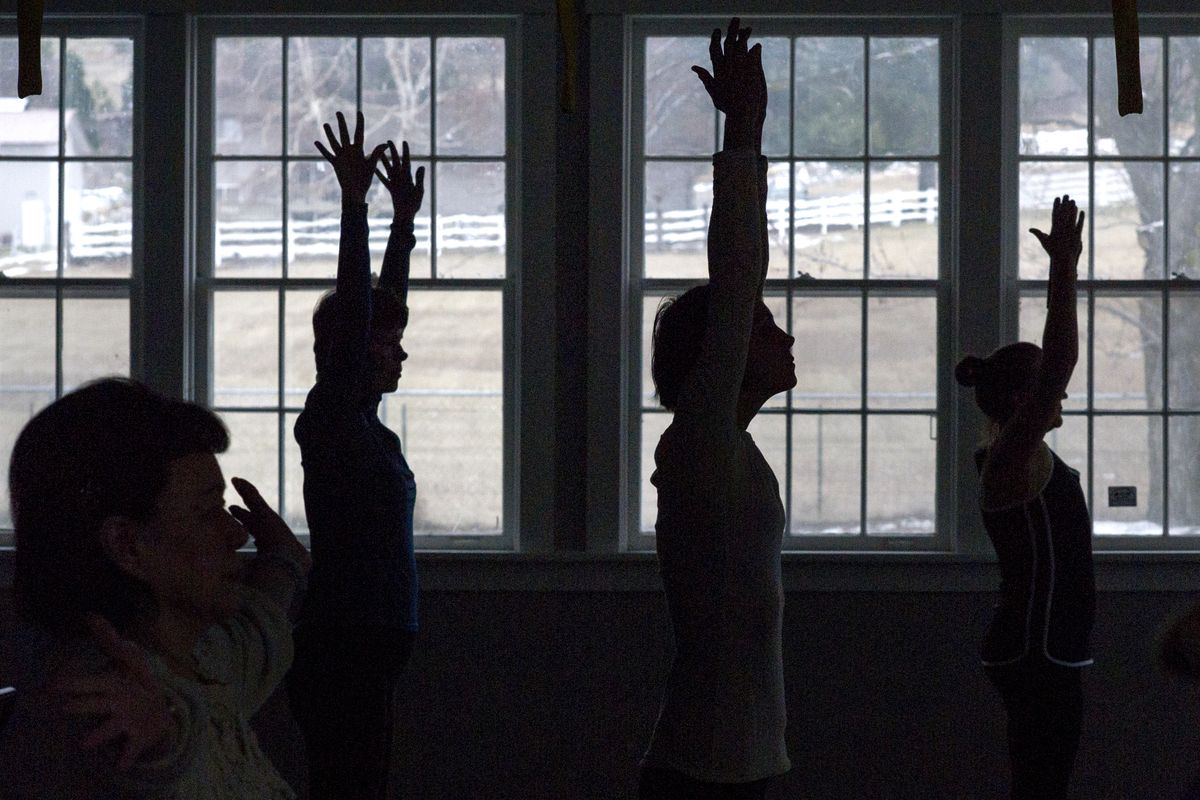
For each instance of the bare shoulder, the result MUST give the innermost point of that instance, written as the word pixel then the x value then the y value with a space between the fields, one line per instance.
pixel 1006 485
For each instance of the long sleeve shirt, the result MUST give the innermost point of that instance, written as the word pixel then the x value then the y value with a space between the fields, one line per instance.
pixel 359 493
pixel 720 527
pixel 216 754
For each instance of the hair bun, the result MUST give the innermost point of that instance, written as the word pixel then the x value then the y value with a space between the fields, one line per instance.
pixel 968 371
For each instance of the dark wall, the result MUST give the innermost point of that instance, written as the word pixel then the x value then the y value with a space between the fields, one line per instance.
pixel 553 695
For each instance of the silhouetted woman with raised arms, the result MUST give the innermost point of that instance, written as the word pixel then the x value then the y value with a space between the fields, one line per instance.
pixel 357 625
pixel 718 356
pixel 1036 517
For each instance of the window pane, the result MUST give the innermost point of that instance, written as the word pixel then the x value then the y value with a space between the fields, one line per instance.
pixel 678 200
pixel 471 226
pixel 1054 97
pixel 828 352
pixel 1184 357
pixel 902 352
pixel 1127 220
pixel 901 465
pixel 1134 134
pixel 98 97
pixel 1184 89
pixel 1128 452
pixel 299 362
pixel 314 220
pixel 903 96
pixel 829 218
pixel 395 92
pixel 248 203
pixel 1040 183
pixel 379 203
pixel 448 410
pixel 29 126
pixel 826 474
pixel 470 97
pixel 245 349
pixel 95 339
pixel 98 210
pixel 320 84
pixel 776 64
pixel 653 426
pixel 248 96
pixel 26 373
pixel 680 119
pixel 1183 227
pixel 1128 352
pixel 1185 475
pixel 829 96
pixel 1033 322
pixel 253 454
pixel 28 217
pixel 904 220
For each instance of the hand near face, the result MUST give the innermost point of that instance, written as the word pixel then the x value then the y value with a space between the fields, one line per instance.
pixel 128 699
pixel 266 528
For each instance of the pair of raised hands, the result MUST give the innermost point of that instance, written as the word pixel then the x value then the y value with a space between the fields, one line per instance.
pixel 355 170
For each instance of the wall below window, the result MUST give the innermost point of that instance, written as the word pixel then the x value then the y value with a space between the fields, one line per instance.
pixel 531 695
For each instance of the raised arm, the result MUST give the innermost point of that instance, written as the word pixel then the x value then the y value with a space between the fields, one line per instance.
pixel 346 361
pixel 735 259
pixel 407 194
pixel 1021 435
pixel 281 564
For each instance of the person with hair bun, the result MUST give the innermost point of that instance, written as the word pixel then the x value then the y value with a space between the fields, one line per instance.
pixel 1036 516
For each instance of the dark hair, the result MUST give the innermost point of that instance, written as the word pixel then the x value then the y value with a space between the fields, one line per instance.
pixel 103 450
pixel 999 377
pixel 386 312
pixel 679 326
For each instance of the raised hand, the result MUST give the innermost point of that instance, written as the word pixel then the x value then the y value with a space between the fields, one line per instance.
pixel 1064 243
pixel 737 84
pixel 354 169
pixel 266 528
pixel 128 698
pixel 397 178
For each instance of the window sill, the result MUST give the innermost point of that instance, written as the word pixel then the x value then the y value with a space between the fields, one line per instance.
pixel 802 572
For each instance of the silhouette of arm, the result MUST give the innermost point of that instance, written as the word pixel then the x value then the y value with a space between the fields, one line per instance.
pixel 345 364
pixel 736 262
pixel 406 201
pixel 1019 438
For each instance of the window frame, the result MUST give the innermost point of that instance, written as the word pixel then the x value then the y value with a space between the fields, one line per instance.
pixel 636 287
pixel 1092 27
pixel 205 286
pixel 61 288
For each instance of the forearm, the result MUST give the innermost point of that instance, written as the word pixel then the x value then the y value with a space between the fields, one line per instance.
pixel 397 258
pixel 1060 337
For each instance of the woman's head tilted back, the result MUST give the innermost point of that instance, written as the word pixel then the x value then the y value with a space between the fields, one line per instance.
pixel 1001 379
pixel 102 451
pixel 678 331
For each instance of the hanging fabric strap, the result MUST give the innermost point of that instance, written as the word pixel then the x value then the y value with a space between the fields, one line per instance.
pixel 29 47
pixel 1129 70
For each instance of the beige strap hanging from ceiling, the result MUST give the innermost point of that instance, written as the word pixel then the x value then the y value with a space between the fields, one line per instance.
pixel 1129 70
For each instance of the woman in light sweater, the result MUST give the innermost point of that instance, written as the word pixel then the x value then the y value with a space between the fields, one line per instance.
pixel 145 643
pixel 718 356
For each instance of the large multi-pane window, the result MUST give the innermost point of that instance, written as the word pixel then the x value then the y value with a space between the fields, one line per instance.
pixel 1133 416
pixel 67 244
pixel 855 140
pixel 268 244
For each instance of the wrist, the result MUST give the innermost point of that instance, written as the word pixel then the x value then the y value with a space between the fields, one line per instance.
pixel 354 203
